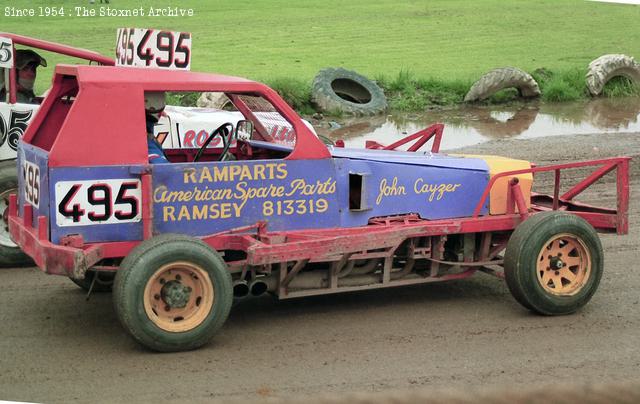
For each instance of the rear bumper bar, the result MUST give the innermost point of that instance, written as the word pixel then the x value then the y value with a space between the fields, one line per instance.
pixel 50 258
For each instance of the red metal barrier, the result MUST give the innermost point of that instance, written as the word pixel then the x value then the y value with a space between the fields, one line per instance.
pixel 597 219
pixel 422 136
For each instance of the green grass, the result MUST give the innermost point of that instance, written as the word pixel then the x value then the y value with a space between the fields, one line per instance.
pixel 296 92
pixel 185 99
pixel 405 92
pixel 568 85
pixel 621 87
pixel 438 46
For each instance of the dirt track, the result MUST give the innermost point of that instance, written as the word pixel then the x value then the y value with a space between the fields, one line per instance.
pixel 55 347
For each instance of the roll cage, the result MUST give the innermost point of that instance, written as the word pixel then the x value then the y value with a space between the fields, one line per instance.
pixel 10 81
pixel 81 94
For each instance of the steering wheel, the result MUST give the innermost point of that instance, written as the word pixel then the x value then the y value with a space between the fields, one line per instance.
pixel 226 133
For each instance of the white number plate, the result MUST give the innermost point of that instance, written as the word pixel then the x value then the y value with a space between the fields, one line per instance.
pixel 31 176
pixel 83 203
pixel 153 48
pixel 6 52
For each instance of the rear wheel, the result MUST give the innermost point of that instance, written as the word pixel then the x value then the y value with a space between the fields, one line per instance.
pixel 10 253
pixel 553 263
pixel 173 293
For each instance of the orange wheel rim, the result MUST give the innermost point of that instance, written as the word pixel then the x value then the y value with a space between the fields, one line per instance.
pixel 178 296
pixel 564 265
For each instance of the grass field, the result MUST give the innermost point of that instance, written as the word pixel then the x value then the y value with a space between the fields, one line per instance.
pixel 435 41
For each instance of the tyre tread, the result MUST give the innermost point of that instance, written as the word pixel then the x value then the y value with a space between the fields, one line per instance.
pixel 528 239
pixel 135 259
pixel 11 256
pixel 328 101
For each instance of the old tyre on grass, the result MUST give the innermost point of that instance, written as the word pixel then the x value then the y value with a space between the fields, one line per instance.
pixel 103 283
pixel 499 79
pixel 10 253
pixel 341 90
pixel 173 293
pixel 606 67
pixel 553 263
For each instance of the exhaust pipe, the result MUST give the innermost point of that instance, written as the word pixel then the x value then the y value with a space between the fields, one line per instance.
pixel 258 287
pixel 240 289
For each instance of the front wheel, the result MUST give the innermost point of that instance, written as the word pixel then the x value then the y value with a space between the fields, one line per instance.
pixel 553 263
pixel 173 293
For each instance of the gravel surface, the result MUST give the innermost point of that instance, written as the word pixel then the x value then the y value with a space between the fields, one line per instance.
pixel 55 347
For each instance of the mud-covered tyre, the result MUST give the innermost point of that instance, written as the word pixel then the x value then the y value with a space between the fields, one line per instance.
pixel 606 67
pixel 10 254
pixel 172 293
pixel 341 90
pixel 499 79
pixel 553 263
pixel 103 284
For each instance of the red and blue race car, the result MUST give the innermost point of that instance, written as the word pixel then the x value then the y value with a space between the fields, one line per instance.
pixel 178 127
pixel 177 241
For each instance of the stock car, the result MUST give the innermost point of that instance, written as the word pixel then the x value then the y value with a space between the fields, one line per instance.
pixel 179 127
pixel 178 241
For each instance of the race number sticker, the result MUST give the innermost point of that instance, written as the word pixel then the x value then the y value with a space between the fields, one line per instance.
pixel 31 176
pixel 6 52
pixel 153 48
pixel 12 131
pixel 84 203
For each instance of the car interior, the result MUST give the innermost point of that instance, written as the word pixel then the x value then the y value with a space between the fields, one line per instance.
pixel 263 134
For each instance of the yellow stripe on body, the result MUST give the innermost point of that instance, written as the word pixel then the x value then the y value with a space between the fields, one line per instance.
pixel 500 190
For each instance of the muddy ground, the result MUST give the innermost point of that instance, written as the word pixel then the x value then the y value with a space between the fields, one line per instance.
pixel 55 347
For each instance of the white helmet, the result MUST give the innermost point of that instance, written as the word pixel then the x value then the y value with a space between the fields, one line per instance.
pixel 154 102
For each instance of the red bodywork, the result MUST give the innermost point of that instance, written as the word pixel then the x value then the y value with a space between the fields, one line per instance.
pixel 379 240
pixel 104 89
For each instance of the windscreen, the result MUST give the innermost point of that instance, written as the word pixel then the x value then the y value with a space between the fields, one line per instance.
pixel 189 118
pixel 280 130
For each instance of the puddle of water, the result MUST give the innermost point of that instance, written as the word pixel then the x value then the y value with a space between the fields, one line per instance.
pixel 470 125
